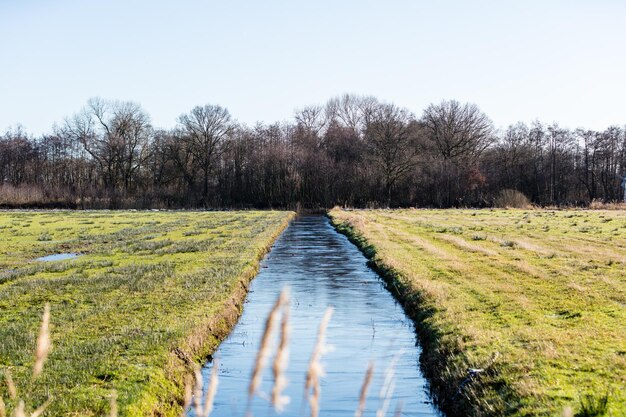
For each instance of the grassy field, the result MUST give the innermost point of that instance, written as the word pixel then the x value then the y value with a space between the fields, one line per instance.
pixel 151 293
pixel 537 299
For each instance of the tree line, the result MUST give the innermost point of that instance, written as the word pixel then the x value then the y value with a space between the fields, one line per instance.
pixel 353 151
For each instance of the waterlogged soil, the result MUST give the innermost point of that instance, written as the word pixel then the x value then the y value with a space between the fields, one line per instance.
pixel 322 268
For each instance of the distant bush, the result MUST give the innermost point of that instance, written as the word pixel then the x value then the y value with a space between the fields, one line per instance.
pixel 35 196
pixel 601 205
pixel 511 199
pixel 23 195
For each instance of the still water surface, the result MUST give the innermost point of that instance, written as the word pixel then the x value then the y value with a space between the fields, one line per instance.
pixel 322 268
pixel 58 257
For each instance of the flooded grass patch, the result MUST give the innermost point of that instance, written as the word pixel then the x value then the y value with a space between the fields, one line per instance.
pixel 536 303
pixel 57 257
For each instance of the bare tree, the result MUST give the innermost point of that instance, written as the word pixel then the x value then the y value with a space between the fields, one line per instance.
pixel 205 130
pixel 351 111
pixel 458 129
pixel 312 120
pixel 459 133
pixel 116 135
pixel 392 141
pixel 353 151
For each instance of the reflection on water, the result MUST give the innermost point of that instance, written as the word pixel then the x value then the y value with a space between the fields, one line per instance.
pixel 322 268
pixel 58 257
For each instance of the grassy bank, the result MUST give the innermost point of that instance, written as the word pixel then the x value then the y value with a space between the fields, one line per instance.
pixel 534 300
pixel 151 293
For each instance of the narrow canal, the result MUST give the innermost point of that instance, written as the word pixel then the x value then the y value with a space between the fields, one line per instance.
pixel 322 268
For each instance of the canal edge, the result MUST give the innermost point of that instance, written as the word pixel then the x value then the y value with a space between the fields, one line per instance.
pixel 434 357
pixel 195 348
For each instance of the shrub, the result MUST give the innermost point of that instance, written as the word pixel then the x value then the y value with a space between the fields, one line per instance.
pixel 511 199
pixel 601 205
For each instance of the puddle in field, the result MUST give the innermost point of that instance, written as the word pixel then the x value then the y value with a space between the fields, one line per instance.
pixel 58 257
pixel 322 268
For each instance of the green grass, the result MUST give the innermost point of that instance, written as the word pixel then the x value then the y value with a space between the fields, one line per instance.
pixel 152 293
pixel 546 290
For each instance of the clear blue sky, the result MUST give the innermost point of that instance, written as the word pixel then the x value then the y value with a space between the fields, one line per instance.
pixel 518 60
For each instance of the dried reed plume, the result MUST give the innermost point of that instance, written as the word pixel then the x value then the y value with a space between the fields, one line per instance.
pixel 209 397
pixel 113 406
pixel 280 363
pixel 315 370
pixel 41 353
pixel 39 411
pixel 193 386
pixel 398 412
pixel 211 390
pixel 197 393
pixel 264 349
pixel 366 383
pixel 20 410
pixel 389 385
pixel 568 412
pixel 43 342
pixel 10 384
pixel 188 394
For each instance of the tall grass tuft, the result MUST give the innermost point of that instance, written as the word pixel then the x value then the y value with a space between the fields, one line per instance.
pixel 197 393
pixel 20 410
pixel 199 409
pixel 592 406
pixel 194 384
pixel 10 384
pixel 40 410
pixel 41 354
pixel 43 342
pixel 388 387
pixel 265 348
pixel 363 395
pixel 188 394
pixel 113 405
pixel 398 412
pixel 211 390
pixel 281 360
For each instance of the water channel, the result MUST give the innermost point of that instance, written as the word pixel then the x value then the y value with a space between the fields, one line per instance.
pixel 322 268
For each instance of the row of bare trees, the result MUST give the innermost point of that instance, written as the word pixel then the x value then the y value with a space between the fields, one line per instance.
pixel 352 151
